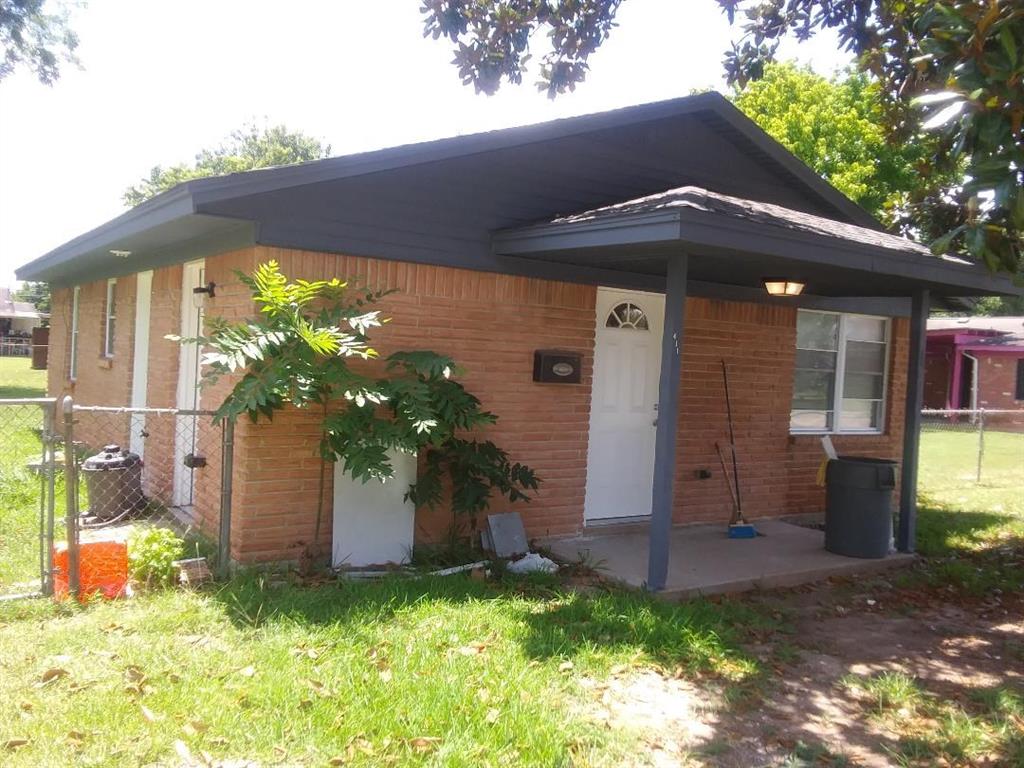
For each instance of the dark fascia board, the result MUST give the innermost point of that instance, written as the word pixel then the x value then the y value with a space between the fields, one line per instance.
pixel 303 237
pixel 701 228
pixel 165 207
pixel 234 235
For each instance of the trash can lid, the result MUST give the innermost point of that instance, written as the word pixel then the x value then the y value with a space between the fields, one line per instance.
pixel 111 457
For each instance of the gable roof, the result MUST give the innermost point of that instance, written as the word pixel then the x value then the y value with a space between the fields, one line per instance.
pixel 421 200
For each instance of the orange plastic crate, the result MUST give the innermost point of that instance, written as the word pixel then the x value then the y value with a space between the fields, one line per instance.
pixel 102 567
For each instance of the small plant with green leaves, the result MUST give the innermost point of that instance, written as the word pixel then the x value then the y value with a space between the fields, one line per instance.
pixel 300 352
pixel 151 554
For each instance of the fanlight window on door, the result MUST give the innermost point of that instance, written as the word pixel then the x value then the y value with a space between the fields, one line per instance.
pixel 627 315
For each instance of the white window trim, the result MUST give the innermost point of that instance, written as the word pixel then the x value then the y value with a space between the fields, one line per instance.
pixel 837 390
pixel 108 351
pixel 73 358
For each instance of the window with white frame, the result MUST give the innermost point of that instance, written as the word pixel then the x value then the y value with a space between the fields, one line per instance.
pixel 110 317
pixel 839 383
pixel 73 352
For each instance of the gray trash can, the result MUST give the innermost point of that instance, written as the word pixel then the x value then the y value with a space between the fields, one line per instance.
pixel 858 506
pixel 113 478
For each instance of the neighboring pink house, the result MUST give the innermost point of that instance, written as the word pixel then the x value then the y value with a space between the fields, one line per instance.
pixel 975 362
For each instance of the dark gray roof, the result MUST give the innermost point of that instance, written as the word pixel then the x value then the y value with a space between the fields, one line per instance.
pixel 700 199
pixel 430 201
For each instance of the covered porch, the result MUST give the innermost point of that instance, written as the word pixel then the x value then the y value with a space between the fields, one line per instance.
pixel 692 242
pixel 702 560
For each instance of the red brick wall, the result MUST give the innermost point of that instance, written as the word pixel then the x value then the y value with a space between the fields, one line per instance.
pixel 936 380
pixel 491 324
pixel 777 469
pixel 997 388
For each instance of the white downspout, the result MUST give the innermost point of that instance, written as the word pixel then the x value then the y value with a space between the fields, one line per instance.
pixel 974 379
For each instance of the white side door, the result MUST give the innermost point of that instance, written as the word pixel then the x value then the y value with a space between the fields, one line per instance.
pixel 185 428
pixel 624 404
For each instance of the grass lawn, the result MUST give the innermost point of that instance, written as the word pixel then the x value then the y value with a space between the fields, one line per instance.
pixel 974 532
pixel 17 379
pixel 449 672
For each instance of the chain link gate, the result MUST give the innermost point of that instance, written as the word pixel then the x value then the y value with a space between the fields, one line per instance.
pixel 29 488
pixel 83 473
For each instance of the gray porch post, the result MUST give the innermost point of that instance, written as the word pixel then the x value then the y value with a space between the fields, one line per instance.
pixel 668 412
pixel 905 534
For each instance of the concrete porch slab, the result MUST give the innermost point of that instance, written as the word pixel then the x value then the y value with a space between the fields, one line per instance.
pixel 704 561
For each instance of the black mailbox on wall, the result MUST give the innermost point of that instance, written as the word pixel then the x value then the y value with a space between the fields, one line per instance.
pixel 556 367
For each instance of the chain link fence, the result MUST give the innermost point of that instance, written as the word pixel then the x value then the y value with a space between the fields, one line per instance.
pixel 77 474
pixel 971 448
pixel 30 488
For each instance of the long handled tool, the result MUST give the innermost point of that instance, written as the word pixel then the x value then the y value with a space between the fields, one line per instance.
pixel 739 528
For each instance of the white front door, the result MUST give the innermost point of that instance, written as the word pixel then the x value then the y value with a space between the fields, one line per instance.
pixel 185 427
pixel 624 404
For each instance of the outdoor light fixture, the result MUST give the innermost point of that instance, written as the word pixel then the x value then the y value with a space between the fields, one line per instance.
pixel 201 293
pixel 778 286
pixel 120 254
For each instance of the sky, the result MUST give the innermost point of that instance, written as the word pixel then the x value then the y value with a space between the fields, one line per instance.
pixel 162 79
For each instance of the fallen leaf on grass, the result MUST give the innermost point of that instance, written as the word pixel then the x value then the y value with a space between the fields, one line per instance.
pixel 337 761
pixel 194 727
pixel 26 706
pixel 565 666
pixel 484 695
pixel 385 675
pixel 473 649
pixel 148 714
pixel 53 673
pixel 492 715
pixel 424 743
pixel 319 688
pixel 247 671
pixel 75 738
pixel 17 743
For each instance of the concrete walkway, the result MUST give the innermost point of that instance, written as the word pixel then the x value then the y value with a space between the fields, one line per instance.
pixel 704 561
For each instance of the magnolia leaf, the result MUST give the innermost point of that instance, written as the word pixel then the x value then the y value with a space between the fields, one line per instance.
pixel 943 116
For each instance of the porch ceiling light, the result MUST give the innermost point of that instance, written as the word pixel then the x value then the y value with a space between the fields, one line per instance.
pixel 780 286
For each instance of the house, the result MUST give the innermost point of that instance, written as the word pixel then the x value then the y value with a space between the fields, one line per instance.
pixel 640 240
pixel 975 362
pixel 17 321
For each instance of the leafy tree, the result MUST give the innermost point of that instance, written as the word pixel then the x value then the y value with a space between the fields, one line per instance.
pixel 37 293
pixel 298 353
pixel 31 37
pixel 247 149
pixel 951 66
pixel 835 126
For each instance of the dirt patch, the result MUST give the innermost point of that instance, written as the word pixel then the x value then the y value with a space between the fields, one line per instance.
pixel 806 712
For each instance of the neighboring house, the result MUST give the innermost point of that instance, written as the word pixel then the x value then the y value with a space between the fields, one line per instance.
pixel 975 362
pixel 638 240
pixel 17 321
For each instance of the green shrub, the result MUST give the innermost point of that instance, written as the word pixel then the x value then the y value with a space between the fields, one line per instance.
pixel 150 554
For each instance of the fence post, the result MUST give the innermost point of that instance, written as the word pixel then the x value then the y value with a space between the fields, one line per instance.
pixel 226 473
pixel 71 494
pixel 981 440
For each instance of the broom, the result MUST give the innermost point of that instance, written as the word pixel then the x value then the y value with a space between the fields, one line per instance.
pixel 739 528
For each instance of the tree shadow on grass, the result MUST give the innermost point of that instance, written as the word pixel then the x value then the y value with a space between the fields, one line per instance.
pixel 548 620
